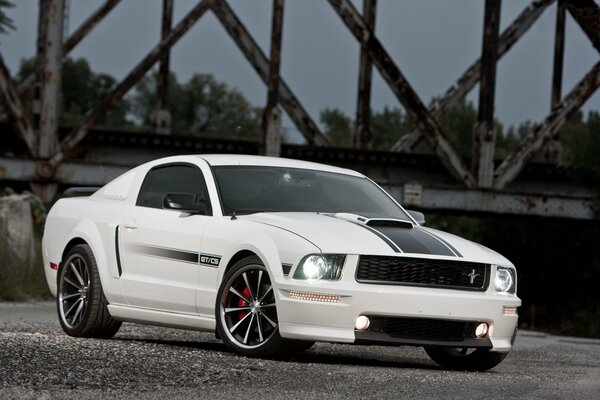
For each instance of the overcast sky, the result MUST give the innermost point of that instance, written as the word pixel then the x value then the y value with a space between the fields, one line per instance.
pixel 432 42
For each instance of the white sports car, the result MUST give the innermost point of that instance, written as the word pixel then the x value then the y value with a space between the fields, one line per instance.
pixel 272 255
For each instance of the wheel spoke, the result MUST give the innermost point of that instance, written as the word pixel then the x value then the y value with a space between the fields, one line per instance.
pixel 233 309
pixel 70 282
pixel 268 305
pixel 241 296
pixel 266 293
pixel 77 274
pixel 233 328
pixel 77 312
pixel 249 328
pixel 273 323
pixel 72 307
pixel 71 296
pixel 258 284
pixel 248 286
pixel 260 334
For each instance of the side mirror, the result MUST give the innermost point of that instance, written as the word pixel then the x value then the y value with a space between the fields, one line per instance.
pixel 184 202
pixel 417 216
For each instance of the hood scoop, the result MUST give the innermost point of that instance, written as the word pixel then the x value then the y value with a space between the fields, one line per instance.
pixel 375 222
pixel 389 223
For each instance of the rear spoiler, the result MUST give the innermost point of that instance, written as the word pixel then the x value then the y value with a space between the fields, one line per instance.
pixel 80 191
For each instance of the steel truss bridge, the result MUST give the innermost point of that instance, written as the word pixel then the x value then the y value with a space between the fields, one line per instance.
pixel 41 153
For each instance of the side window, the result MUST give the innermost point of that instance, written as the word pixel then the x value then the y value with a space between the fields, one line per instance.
pixel 173 178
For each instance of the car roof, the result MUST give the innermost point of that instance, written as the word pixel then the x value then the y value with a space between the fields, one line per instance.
pixel 243 159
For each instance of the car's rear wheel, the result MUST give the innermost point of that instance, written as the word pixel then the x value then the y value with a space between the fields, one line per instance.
pixel 82 307
pixel 465 359
pixel 246 312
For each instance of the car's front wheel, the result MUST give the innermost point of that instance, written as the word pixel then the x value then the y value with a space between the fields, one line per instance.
pixel 246 312
pixel 82 307
pixel 465 359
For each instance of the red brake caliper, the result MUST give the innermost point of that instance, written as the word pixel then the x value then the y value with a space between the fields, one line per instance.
pixel 243 303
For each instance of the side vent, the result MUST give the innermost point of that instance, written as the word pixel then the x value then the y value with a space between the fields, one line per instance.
pixel 117 252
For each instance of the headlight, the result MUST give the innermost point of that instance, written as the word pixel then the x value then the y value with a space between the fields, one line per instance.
pixel 506 280
pixel 320 266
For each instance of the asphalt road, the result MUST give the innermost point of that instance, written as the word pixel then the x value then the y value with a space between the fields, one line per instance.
pixel 37 360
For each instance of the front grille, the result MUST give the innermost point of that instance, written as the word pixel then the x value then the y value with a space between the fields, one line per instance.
pixel 448 274
pixel 424 329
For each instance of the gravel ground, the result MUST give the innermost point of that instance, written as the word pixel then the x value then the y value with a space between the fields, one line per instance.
pixel 37 360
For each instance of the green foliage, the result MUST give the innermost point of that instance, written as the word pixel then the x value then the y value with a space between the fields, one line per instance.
pixel 581 152
pixel 6 23
pixel 338 127
pixel 388 126
pixel 82 90
pixel 458 126
pixel 201 107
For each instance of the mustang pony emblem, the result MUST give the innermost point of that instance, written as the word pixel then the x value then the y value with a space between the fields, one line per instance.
pixel 472 276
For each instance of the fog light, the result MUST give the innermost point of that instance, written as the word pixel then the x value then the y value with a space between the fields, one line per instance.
pixel 481 330
pixel 362 323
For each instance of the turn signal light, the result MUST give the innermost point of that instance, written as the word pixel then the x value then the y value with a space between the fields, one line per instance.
pixel 509 310
pixel 324 298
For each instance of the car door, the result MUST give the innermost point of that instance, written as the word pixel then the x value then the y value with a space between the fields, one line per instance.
pixel 160 247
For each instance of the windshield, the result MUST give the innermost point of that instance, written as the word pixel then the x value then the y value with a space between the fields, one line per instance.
pixel 252 189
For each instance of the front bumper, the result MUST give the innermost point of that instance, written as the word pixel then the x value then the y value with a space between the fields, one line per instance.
pixel 310 319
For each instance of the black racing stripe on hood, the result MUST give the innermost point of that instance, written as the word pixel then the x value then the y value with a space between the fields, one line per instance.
pixel 447 244
pixel 415 240
pixel 379 235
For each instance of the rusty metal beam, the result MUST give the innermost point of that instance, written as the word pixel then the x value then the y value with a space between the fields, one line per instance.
pixel 559 54
pixel 484 131
pixel 70 172
pixel 74 38
pixel 75 136
pixel 51 78
pixel 260 63
pixel 403 91
pixel 488 201
pixel 162 117
pixel 362 136
pixel 271 141
pixel 15 108
pixel 587 15
pixel 431 196
pixel 515 162
pixel 471 76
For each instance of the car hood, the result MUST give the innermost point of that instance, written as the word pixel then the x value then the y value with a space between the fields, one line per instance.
pixel 352 234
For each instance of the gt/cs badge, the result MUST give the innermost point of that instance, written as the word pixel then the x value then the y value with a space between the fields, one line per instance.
pixel 210 260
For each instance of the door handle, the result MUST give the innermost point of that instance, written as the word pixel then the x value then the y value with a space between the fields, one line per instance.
pixel 130 224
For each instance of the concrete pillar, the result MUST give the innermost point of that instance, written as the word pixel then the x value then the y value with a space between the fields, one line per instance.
pixel 17 249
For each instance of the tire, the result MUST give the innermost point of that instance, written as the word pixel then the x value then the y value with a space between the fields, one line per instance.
pixel 81 305
pixel 464 359
pixel 246 313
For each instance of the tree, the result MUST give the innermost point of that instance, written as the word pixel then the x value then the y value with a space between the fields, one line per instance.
pixel 82 90
pixel 388 126
pixel 337 127
pixel 201 107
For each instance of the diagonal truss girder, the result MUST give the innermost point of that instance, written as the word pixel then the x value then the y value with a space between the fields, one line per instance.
pixel 260 63
pixel 403 90
pixel 69 143
pixel 471 76
pixel 535 141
